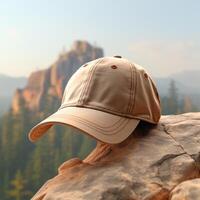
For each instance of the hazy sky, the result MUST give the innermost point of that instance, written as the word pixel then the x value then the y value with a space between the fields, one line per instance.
pixel 161 35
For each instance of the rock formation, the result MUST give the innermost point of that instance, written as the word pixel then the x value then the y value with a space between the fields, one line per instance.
pixel 154 163
pixel 52 81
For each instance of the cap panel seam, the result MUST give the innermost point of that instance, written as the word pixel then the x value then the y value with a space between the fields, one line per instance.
pixel 89 80
pixel 93 107
pixel 81 100
pixel 135 88
pixel 82 91
pixel 103 109
pixel 130 94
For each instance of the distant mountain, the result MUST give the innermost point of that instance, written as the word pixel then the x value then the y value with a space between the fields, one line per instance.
pixel 50 83
pixel 8 85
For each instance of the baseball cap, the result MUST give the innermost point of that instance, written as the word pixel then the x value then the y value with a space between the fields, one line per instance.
pixel 105 98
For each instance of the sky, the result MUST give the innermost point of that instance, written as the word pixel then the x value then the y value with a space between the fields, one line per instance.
pixel 161 35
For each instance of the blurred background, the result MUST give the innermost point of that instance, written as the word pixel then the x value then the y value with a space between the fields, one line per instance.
pixel 44 42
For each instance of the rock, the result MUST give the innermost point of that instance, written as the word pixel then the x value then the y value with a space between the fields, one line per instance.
pixel 52 81
pixel 188 190
pixel 146 166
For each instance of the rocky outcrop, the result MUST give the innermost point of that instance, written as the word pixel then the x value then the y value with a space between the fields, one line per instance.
pixel 154 163
pixel 52 81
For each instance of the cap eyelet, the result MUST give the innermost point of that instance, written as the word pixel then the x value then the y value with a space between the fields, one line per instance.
pixel 117 56
pixel 146 75
pixel 85 65
pixel 114 67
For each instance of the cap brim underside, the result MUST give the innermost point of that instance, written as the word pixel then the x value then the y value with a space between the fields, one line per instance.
pixel 103 126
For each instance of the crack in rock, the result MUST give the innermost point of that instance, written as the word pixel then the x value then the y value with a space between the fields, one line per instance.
pixel 194 157
pixel 167 157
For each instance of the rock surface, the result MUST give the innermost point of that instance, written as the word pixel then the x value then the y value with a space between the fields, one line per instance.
pixel 188 190
pixel 52 81
pixel 151 164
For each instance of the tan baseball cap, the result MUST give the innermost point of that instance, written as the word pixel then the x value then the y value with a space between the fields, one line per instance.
pixel 106 98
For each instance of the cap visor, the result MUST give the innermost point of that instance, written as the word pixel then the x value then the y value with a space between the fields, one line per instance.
pixel 103 126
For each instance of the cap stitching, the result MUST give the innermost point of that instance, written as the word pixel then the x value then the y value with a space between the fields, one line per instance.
pixel 135 88
pixel 82 91
pixel 95 107
pixel 81 100
pixel 106 128
pixel 111 132
pixel 90 78
pixel 100 131
pixel 130 97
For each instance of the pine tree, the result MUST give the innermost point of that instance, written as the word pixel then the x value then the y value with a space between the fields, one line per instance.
pixel 172 107
pixel 18 187
pixel 38 162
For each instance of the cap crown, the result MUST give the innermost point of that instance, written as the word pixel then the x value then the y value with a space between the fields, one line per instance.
pixel 114 85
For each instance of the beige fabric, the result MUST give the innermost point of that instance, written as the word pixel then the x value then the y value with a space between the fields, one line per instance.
pixel 106 98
